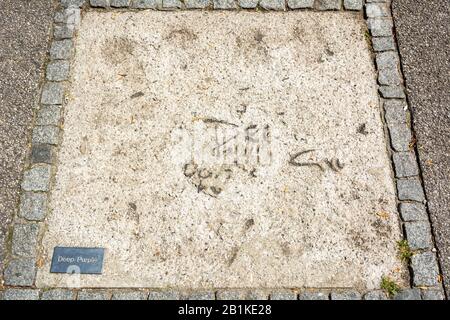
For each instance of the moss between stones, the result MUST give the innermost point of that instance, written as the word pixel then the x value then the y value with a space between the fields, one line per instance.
pixel 404 250
pixel 389 286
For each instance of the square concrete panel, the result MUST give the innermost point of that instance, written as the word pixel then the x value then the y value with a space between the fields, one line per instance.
pixel 225 150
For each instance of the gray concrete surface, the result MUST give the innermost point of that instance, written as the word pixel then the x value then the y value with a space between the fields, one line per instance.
pixel 423 33
pixel 226 212
pixel 24 34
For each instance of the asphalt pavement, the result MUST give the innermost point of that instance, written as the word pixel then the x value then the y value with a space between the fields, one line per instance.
pixel 423 35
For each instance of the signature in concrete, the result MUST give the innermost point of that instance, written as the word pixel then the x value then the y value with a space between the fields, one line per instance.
pixel 334 164
pixel 224 142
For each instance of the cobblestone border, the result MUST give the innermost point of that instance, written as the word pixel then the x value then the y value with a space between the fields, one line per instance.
pixel 20 273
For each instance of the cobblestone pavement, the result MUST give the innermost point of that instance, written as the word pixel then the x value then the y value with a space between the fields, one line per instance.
pixel 24 34
pixel 423 35
pixel 427 96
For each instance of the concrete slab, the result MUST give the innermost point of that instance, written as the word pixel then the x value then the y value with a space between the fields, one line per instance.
pixel 225 150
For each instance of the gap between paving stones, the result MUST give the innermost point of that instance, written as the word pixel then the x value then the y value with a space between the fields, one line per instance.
pixel 47 135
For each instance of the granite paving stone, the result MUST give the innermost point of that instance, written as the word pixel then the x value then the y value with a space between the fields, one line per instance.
pixel 198 4
pixel 410 189
pixel 119 3
pixel 93 295
pixel 345 295
pixel 272 4
pixel 284 295
pixel 164 295
pixel 383 43
pixel 224 4
pixel 21 294
pixel 328 4
pixel 408 294
pixel 380 27
pixel 405 164
pixel 20 272
pixel 431 294
pixel 73 3
pixel 172 4
pixel 392 92
pixel 33 206
pixel 401 137
pixel 300 4
pixel 418 235
pixel 199 295
pixel 25 239
pixel 353 4
pixel 58 70
pixel 100 3
pixel 313 295
pixel 45 135
pixel 130 295
pixel 62 32
pixel 375 295
pixel 52 93
pixel 61 49
pixel 374 10
pixel 425 269
pixel 231 295
pixel 412 211
pixel 42 153
pixel 396 112
pixel 58 294
pixel 37 178
pixel 150 4
pixel 48 116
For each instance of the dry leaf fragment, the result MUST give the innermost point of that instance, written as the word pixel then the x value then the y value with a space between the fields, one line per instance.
pixel 383 214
